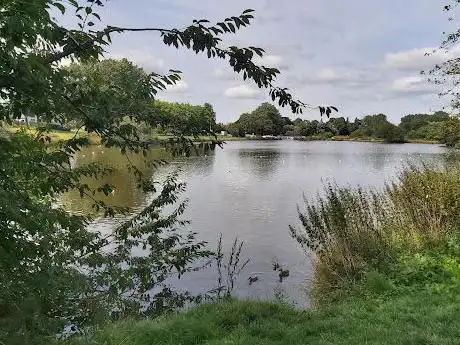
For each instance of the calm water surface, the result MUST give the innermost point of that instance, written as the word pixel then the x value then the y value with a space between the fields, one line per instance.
pixel 251 190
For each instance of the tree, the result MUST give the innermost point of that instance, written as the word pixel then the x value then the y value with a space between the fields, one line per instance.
pixel 118 88
pixel 372 126
pixel 355 125
pixel 411 124
pixel 297 121
pixel 450 133
pixel 211 115
pixel 448 72
pixel 220 127
pixel 182 118
pixel 268 119
pixel 44 250
pixel 339 126
pixel 53 269
pixel 264 120
pixel 391 133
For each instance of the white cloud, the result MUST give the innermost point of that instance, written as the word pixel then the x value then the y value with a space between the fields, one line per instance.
pixel 419 58
pixel 148 61
pixel 219 73
pixel 323 76
pixel 411 84
pixel 179 87
pixel 326 75
pixel 273 61
pixel 242 91
pixel 223 74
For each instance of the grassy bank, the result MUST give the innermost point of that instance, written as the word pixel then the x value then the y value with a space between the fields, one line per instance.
pixel 57 136
pixel 205 138
pixel 355 139
pixel 93 139
pixel 423 141
pixel 418 318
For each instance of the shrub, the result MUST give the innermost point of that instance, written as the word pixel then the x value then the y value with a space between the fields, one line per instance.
pixel 352 232
pixel 427 204
pixel 346 233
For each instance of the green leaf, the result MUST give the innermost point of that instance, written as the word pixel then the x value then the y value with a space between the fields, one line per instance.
pixel 60 7
pixel 223 26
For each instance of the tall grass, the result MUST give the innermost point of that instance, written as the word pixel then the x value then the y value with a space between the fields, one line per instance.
pixel 353 231
pixel 427 203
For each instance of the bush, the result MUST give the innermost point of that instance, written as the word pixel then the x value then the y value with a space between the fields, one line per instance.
pixel 426 202
pixel 392 134
pixel 346 232
pixel 352 232
pixel 55 271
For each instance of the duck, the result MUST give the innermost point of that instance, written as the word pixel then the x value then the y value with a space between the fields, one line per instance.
pixel 253 279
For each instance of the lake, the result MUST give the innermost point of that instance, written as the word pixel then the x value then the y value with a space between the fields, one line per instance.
pixel 250 190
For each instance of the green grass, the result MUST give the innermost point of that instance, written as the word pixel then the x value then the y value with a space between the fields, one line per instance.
pixel 356 139
pixel 423 141
pixel 419 318
pixel 57 136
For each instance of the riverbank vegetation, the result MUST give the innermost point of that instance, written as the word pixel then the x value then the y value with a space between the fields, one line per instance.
pixel 418 318
pixel 439 127
pixel 404 237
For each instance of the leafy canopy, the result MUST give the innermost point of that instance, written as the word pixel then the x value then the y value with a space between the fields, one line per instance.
pixel 447 73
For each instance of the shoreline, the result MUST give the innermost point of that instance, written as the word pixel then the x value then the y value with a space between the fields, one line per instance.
pixel 57 136
pixel 335 139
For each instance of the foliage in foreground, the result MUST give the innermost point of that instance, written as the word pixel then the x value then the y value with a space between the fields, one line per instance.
pixel 54 269
pixel 409 232
pixel 419 318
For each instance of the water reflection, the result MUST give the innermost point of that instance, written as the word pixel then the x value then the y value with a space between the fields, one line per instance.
pixel 250 190
pixel 263 163
pixel 126 193
pixel 379 156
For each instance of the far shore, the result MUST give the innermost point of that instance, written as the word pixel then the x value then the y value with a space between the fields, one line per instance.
pixel 57 136
pixel 334 138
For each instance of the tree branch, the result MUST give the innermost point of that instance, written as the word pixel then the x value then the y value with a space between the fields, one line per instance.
pixel 97 37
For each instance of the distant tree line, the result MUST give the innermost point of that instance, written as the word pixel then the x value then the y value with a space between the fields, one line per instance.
pixel 267 120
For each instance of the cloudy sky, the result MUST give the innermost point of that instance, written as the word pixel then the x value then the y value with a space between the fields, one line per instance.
pixel 364 56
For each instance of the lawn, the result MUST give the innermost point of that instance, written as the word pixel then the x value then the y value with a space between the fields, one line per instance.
pixel 416 318
pixel 57 136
